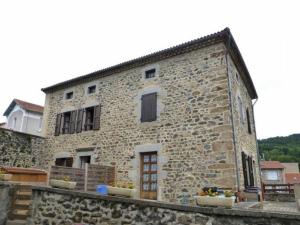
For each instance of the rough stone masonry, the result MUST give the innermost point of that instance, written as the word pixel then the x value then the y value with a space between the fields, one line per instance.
pixel 204 113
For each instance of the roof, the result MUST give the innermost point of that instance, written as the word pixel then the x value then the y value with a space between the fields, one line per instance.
pixel 223 36
pixel 292 178
pixel 24 105
pixel 271 165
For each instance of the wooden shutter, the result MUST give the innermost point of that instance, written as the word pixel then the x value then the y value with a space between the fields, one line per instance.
pixel 149 107
pixel 96 120
pixel 244 158
pixel 73 121
pixel 248 121
pixel 79 121
pixel 58 124
pixel 251 175
pixel 69 162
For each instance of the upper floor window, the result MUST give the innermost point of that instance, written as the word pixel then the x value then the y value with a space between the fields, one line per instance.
pixel 150 73
pixel 91 89
pixel 149 107
pixel 78 120
pixel 248 121
pixel 69 95
pixel 240 106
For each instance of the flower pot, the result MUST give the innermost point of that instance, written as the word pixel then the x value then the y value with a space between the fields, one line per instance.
pixel 121 191
pixel 5 177
pixel 62 184
pixel 215 201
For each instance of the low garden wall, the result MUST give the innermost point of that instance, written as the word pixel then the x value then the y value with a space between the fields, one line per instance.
pixel 57 206
pixel 6 196
pixel 279 197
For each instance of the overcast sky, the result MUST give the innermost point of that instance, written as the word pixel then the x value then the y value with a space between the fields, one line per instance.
pixel 45 43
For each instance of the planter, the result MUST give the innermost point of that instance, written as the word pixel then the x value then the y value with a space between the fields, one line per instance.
pixel 5 177
pixel 215 201
pixel 121 191
pixel 62 184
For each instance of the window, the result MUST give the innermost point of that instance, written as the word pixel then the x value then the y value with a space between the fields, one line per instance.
pixel 272 175
pixel 247 163
pixel 150 73
pixel 83 160
pixel 69 95
pixel 89 118
pixel 66 123
pixel 240 106
pixel 248 121
pixel 149 107
pixel 237 77
pixel 66 162
pixel 14 122
pixel 91 89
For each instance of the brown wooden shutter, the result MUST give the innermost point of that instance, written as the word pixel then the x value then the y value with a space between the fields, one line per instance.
pixel 244 158
pixel 251 175
pixel 58 124
pixel 96 121
pixel 73 121
pixel 149 107
pixel 79 121
pixel 248 121
pixel 69 162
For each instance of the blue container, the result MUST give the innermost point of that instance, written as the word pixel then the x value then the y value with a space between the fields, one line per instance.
pixel 102 189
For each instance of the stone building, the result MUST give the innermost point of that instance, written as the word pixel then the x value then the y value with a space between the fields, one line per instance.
pixel 172 121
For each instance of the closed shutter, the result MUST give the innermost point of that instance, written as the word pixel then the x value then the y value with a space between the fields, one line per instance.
pixel 244 158
pixel 250 164
pixel 79 121
pixel 69 162
pixel 73 121
pixel 149 107
pixel 97 113
pixel 57 124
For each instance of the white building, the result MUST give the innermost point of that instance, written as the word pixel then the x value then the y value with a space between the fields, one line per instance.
pixel 24 117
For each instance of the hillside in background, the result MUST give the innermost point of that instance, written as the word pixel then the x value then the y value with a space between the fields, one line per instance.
pixel 283 149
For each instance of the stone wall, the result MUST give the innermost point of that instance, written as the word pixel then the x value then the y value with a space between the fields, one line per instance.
pixel 279 197
pixel 193 133
pixel 244 141
pixel 20 149
pixel 55 206
pixel 6 194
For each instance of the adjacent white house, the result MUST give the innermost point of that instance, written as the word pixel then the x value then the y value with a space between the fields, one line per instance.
pixel 24 117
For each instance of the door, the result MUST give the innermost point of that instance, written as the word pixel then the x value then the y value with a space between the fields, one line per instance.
pixel 149 175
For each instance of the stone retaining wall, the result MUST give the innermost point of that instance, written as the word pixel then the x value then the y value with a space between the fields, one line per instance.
pixel 20 149
pixel 55 206
pixel 279 197
pixel 6 194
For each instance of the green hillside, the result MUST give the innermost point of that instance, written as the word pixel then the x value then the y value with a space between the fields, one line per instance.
pixel 283 149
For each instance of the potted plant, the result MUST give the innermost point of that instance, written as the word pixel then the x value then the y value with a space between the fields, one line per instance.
pixel 122 189
pixel 65 183
pixel 4 176
pixel 212 197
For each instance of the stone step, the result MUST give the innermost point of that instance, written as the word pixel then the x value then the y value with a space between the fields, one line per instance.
pixel 22 204
pixel 16 222
pixel 20 214
pixel 24 195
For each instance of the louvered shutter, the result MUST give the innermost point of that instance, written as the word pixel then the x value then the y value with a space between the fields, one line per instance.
pixel 244 158
pixel 57 124
pixel 96 121
pixel 149 107
pixel 79 121
pixel 73 121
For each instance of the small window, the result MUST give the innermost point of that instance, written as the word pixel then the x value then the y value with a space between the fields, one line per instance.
pixel 150 73
pixel 91 89
pixel 65 162
pixel 240 106
pixel 149 107
pixel 237 77
pixel 83 160
pixel 69 95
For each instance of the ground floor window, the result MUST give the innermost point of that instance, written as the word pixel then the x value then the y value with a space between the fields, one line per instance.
pixel 248 170
pixel 66 162
pixel 83 160
pixel 84 156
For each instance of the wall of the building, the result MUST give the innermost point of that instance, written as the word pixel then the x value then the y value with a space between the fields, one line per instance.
pixel 15 119
pixel 244 141
pixel 20 149
pixel 280 176
pixel 291 167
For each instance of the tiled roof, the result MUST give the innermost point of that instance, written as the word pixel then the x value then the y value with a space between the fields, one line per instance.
pixel 292 178
pixel 24 105
pixel 271 165
pixel 223 36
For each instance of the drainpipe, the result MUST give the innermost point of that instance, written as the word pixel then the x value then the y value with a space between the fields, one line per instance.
pixel 232 121
pixel 257 149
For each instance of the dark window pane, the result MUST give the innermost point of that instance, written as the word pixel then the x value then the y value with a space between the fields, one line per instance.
pixel 92 89
pixel 69 95
pixel 150 73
